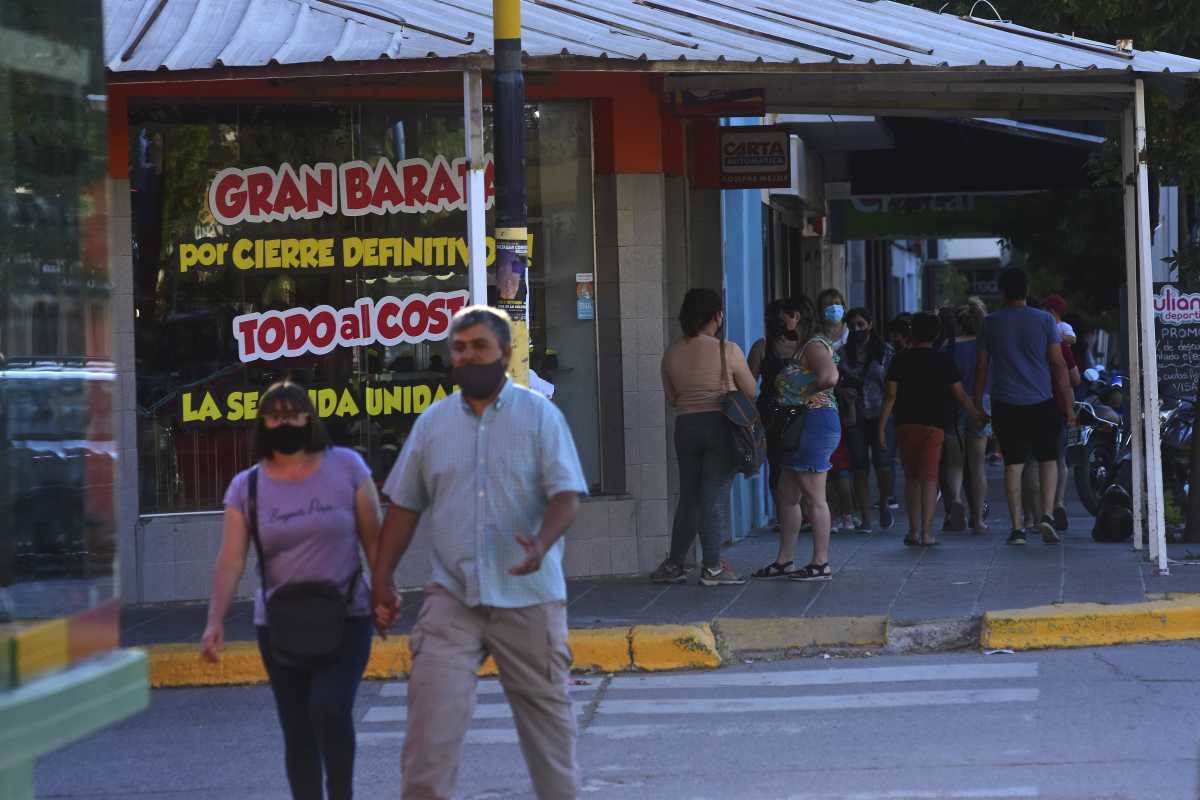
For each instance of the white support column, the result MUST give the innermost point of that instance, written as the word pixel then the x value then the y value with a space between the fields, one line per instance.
pixel 476 203
pixel 1128 161
pixel 1154 496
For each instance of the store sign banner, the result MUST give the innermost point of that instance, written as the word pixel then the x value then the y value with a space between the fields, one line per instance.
pixel 333 252
pixel 755 158
pixel 209 407
pixel 352 189
pixel 1177 339
pixel 919 216
pixel 268 335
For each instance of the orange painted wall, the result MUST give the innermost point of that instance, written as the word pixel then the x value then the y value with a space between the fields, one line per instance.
pixel 630 126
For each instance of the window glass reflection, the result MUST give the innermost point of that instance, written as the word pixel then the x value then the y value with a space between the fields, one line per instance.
pixel 58 452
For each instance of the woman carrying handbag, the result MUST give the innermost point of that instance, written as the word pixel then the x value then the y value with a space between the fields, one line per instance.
pixel 697 372
pixel 808 411
pixel 306 506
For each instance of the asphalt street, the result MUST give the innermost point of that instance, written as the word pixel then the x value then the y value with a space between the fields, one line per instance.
pixel 1102 723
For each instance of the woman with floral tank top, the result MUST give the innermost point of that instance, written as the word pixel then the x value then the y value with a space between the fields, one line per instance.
pixel 808 408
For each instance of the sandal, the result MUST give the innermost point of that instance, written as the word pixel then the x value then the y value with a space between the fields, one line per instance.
pixel 813 572
pixel 912 541
pixel 774 570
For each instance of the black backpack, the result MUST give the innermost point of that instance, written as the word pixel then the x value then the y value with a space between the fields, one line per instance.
pixel 745 427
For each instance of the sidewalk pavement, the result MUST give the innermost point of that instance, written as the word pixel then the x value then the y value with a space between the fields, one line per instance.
pixel 972 590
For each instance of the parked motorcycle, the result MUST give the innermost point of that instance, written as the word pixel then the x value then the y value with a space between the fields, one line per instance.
pixel 1094 445
pixel 1114 519
pixel 1178 419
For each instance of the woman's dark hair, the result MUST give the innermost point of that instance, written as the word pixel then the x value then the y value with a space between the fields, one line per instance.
pixel 901 325
pixel 925 328
pixel 872 349
pixel 948 317
pixel 1083 354
pixel 788 305
pixel 860 311
pixel 773 324
pixel 700 307
pixel 287 395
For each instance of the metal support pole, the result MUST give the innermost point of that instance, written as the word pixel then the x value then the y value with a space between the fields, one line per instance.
pixel 476 203
pixel 1154 483
pixel 1135 408
pixel 512 234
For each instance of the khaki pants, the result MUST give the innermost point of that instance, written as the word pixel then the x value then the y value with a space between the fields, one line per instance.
pixel 449 643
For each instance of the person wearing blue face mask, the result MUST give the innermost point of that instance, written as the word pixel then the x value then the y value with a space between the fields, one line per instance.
pixel 832 308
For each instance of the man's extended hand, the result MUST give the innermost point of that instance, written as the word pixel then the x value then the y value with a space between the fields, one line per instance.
pixel 386 603
pixel 533 556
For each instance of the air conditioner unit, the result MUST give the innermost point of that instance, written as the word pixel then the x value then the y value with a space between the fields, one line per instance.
pixel 798 158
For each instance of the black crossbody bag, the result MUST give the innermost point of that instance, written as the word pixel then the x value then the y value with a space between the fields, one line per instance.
pixel 306 621
pixel 745 428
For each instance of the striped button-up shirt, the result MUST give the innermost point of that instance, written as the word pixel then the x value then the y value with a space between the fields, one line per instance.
pixel 478 482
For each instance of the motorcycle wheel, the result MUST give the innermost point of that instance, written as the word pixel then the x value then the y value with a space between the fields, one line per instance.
pixel 1093 474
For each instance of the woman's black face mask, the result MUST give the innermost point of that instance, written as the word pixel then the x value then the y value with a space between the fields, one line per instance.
pixel 287 439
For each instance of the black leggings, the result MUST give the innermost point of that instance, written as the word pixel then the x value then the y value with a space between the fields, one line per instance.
pixel 704 447
pixel 316 712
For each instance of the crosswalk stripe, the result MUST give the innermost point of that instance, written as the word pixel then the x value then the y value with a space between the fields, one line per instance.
pixel 999 793
pixel 482 689
pixel 482 711
pixel 597 731
pixel 763 705
pixel 831 677
pixel 821 677
pixel 476 736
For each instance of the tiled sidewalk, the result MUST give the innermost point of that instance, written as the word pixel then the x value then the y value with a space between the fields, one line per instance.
pixel 875 576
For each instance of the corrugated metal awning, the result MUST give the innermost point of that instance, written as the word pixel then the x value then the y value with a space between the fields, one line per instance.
pixel 662 35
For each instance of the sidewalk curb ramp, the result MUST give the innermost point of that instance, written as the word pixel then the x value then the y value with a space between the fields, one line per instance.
pixel 1091 625
pixel 648 648
pixel 779 635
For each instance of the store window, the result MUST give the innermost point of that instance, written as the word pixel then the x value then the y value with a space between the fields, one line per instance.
pixel 57 451
pixel 326 243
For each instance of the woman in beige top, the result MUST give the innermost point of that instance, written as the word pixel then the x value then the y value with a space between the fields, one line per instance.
pixel 694 380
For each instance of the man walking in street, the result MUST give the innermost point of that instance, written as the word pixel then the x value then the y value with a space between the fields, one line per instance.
pixel 1030 396
pixel 493 471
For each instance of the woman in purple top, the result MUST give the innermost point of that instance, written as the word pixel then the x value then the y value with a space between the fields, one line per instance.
pixel 316 505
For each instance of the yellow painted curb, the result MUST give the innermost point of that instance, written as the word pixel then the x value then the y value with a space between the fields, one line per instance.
pixel 1091 624
pixel 601 650
pixel 181 665
pixel 595 650
pixel 661 647
pixel 390 658
pixel 792 633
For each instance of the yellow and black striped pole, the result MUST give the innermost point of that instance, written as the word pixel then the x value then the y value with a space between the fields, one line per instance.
pixel 512 236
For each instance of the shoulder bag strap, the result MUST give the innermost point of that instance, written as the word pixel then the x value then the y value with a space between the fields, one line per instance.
pixel 724 369
pixel 252 525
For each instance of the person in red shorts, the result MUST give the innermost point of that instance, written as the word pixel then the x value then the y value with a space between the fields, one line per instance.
pixel 922 386
pixel 840 492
